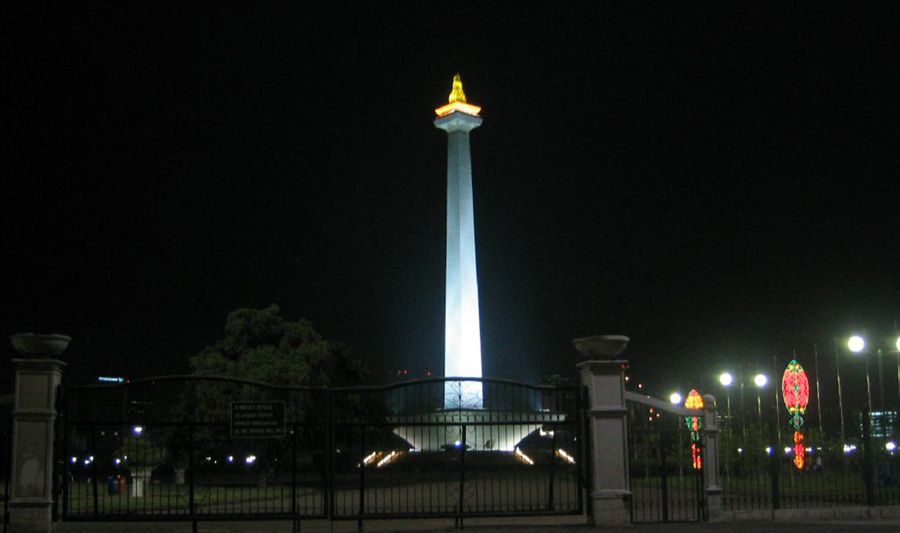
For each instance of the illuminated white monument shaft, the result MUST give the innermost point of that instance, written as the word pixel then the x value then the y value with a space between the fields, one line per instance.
pixel 462 334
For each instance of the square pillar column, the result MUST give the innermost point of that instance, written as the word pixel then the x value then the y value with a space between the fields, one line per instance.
pixel 34 415
pixel 712 481
pixel 607 434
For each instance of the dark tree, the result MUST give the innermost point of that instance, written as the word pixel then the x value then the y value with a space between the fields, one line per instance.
pixel 261 345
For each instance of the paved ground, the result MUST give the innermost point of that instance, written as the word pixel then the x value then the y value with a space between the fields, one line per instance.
pixel 485 525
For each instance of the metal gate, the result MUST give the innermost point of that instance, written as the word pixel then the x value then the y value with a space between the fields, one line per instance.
pixel 666 484
pixel 5 461
pixel 165 449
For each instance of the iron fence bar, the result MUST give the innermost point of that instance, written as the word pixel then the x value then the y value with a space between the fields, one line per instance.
pixel 774 466
pixel 8 452
pixel 585 481
pixel 192 508
pixel 664 476
pixel 868 470
pixel 362 479
pixel 65 455
pixel 462 475
pixel 552 465
pixel 294 477
pixel 702 502
pixel 94 472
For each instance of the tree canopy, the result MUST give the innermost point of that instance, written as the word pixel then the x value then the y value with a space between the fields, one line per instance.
pixel 262 345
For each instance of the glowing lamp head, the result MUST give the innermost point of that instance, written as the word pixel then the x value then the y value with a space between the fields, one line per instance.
pixel 898 344
pixel 760 380
pixel 857 344
pixel 726 379
pixel 890 446
pixel 675 398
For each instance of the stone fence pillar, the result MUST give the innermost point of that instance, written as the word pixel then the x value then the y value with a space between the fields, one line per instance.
pixel 607 435
pixel 712 482
pixel 38 375
pixel 34 415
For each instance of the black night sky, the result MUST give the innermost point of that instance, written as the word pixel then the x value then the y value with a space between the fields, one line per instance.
pixel 720 185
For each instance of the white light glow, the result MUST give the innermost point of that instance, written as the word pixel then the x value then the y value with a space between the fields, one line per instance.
pixel 856 344
pixel 230 458
pixel 565 456
pixel 522 457
pixel 726 379
pixel 890 446
pixel 787 450
pixel 137 430
pixel 388 458
pixel 898 344
pixel 369 458
pixel 675 398
pixel 250 459
pixel 849 448
pixel 74 459
pixel 760 380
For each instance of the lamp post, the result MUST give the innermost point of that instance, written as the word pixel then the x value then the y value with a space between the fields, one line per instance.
pixel 837 368
pixel 857 345
pixel 818 389
pixel 898 367
pixel 760 380
pixel 726 380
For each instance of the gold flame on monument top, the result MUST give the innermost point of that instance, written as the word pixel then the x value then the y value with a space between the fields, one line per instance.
pixel 457 101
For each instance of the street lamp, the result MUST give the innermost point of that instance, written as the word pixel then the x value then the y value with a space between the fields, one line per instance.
pixel 760 380
pixel 897 345
pixel 675 398
pixel 857 345
pixel 837 371
pixel 726 380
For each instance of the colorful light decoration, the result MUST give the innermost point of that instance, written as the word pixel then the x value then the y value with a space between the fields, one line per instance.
pixel 695 423
pixel 795 390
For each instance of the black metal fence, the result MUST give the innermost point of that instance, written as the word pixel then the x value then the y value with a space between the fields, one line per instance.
pixel 759 472
pixel 5 462
pixel 665 485
pixel 165 449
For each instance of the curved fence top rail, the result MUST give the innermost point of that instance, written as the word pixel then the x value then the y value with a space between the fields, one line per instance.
pixel 656 403
pixel 305 388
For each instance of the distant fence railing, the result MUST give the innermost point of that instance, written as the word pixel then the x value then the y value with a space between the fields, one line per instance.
pixel 758 471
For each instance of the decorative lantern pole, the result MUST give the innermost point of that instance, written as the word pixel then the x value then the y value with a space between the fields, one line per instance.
pixel 695 423
pixel 795 390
